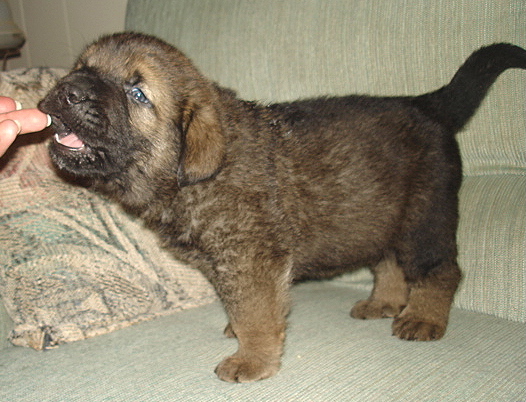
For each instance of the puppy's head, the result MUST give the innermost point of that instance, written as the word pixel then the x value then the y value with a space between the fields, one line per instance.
pixel 135 109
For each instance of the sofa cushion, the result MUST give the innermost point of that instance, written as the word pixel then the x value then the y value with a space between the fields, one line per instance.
pixel 492 244
pixel 328 357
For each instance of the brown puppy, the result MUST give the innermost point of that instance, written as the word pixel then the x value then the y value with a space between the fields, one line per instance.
pixel 260 196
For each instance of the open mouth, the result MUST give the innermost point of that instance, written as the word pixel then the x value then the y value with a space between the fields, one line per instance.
pixel 70 141
pixel 67 138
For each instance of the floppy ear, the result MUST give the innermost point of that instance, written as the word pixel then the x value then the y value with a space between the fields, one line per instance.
pixel 204 143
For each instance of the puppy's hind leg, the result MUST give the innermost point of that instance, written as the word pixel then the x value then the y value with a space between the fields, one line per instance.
pixel 256 299
pixel 389 295
pixel 426 316
pixel 428 256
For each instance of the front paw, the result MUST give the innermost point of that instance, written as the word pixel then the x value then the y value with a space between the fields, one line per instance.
pixel 245 369
pixel 372 309
pixel 414 329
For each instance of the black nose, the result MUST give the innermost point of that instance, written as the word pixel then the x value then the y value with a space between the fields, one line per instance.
pixel 74 91
pixel 77 88
pixel 74 94
pixel 78 91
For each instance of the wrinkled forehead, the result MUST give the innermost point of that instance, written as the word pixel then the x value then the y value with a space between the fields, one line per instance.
pixel 125 61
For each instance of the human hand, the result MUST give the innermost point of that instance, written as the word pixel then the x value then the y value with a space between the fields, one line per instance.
pixel 15 121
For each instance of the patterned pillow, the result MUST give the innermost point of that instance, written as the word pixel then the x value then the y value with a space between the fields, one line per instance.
pixel 73 265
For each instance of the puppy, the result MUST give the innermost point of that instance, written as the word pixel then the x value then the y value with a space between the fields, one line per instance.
pixel 259 196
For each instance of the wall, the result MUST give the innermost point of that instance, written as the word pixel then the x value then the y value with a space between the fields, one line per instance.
pixel 57 30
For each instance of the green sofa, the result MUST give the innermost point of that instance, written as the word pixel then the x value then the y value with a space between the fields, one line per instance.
pixel 76 272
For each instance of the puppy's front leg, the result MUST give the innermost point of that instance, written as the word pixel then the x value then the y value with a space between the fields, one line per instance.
pixel 256 298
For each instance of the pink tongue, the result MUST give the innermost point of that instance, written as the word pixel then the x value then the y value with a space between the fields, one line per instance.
pixel 72 141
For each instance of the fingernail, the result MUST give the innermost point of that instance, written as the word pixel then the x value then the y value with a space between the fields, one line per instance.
pixel 18 105
pixel 18 125
pixel 49 120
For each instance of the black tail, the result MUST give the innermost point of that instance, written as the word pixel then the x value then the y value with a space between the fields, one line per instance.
pixel 454 104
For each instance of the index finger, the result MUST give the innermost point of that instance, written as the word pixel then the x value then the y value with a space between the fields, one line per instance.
pixel 30 120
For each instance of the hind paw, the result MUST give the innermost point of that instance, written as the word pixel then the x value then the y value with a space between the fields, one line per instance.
pixel 415 329
pixel 372 309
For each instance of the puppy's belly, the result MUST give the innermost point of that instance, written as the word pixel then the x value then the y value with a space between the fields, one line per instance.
pixel 334 254
pixel 325 270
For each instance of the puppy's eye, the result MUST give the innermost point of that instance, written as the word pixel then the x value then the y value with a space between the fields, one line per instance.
pixel 138 95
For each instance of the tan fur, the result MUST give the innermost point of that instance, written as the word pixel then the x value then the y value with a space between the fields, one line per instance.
pixel 390 293
pixel 205 143
pixel 426 316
